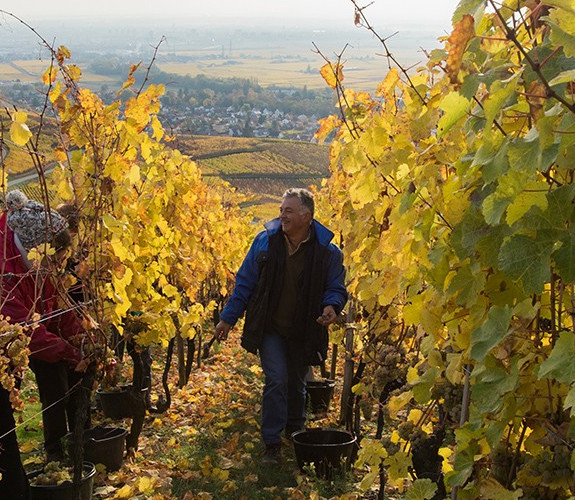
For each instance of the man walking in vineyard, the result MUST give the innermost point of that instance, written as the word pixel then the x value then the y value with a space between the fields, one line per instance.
pixel 291 286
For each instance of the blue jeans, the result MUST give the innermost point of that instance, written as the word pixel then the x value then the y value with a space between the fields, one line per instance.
pixel 283 400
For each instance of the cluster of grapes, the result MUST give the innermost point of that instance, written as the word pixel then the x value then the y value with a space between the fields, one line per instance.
pixel 451 397
pixel 134 326
pixel 366 407
pixel 553 466
pixel 390 360
pixel 501 462
pixel 408 431
pixel 53 474
pixel 391 447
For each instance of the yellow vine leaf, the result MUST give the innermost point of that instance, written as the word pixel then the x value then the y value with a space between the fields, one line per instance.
pixel 326 126
pixel 63 53
pixel 74 72
pixel 332 74
pixel 60 155
pixel 366 188
pixel 125 491
pixel 19 117
pixel 396 403
pixel 55 92
pixel 462 33
pixel 415 415
pixel 146 485
pixel 446 453
pixel 158 130
pixel 534 195
pixel 134 174
pixel 65 190
pixel 50 75
pixel 385 88
pixel 128 83
pixel 20 133
pixel 454 107
pixel 567 5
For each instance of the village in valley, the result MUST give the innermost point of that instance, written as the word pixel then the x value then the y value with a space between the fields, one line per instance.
pixel 258 81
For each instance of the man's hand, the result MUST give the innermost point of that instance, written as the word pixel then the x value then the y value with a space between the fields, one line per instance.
pixel 222 330
pixel 328 316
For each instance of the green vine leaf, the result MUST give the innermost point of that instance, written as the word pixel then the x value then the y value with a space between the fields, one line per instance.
pixel 564 258
pixel 499 92
pixel 563 77
pixel 467 283
pixel 525 155
pixel 527 260
pixel 454 107
pixel 491 489
pixel 421 489
pixel 559 365
pixel 422 386
pixel 492 381
pixel 562 22
pixel 492 332
pixel 467 7
pixel 398 465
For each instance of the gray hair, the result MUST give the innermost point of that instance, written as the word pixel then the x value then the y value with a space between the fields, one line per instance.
pixel 304 196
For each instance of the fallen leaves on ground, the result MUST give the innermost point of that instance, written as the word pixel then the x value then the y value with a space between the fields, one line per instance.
pixel 207 445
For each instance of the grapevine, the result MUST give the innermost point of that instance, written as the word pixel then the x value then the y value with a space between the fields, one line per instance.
pixel 152 238
pixel 452 188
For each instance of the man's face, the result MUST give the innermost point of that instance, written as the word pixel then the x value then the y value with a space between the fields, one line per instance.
pixel 294 217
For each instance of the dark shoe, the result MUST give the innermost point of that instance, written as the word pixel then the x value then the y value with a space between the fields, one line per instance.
pixel 272 454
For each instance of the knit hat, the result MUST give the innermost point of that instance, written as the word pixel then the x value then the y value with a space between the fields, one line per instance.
pixel 31 221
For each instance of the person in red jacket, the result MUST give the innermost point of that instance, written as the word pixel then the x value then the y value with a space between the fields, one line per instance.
pixel 29 297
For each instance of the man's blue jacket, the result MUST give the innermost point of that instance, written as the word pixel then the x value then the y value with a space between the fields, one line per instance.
pixel 258 281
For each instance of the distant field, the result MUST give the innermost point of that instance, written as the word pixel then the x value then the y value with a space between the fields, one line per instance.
pixel 201 146
pixel 268 67
pixel 31 71
pixel 264 168
pixel 270 72
pixel 312 158
pixel 266 72
pixel 261 168
pixel 10 73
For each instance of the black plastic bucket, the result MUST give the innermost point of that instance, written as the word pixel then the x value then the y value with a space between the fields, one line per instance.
pixel 116 403
pixel 320 393
pixel 329 450
pixel 103 445
pixel 64 491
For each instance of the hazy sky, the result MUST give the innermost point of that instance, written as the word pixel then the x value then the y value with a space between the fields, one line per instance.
pixel 381 12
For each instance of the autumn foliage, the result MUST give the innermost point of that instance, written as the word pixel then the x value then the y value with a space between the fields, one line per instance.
pixel 452 189
pixel 453 192
pixel 152 237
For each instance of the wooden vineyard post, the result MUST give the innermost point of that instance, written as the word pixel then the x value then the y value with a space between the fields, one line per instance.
pixel 332 370
pixel 346 415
